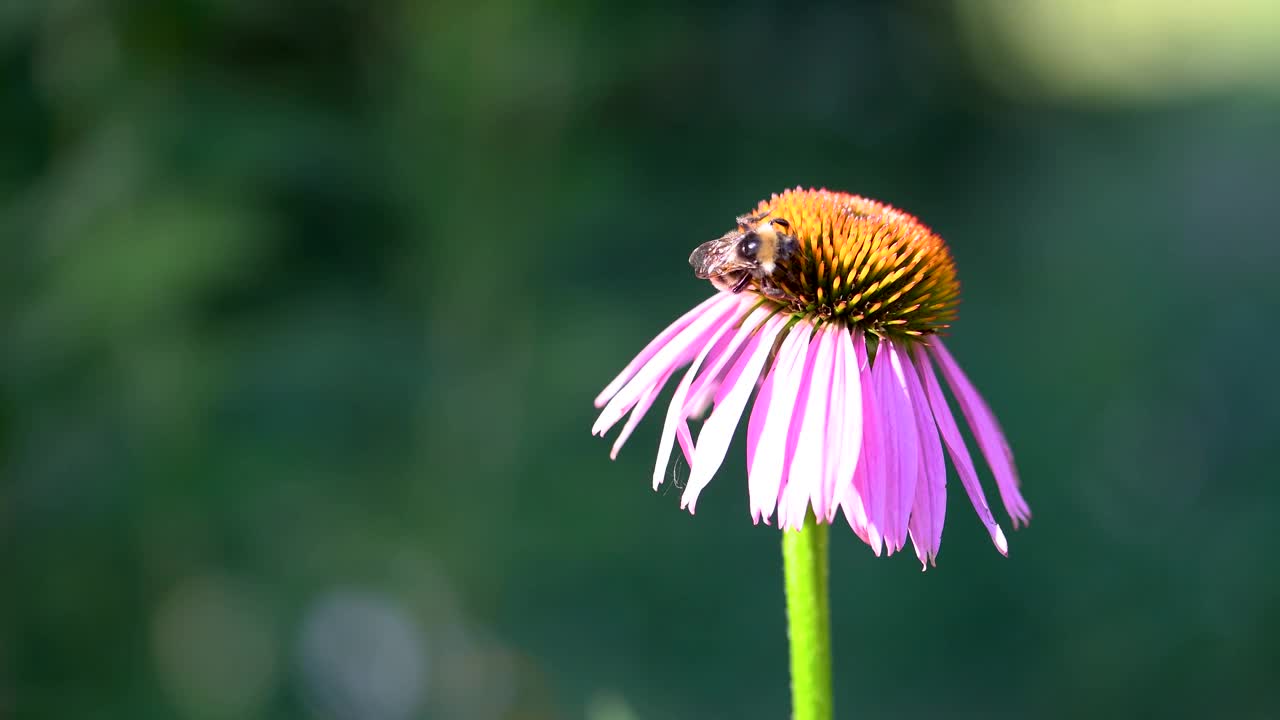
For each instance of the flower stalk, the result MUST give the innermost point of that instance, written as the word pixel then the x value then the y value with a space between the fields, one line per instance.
pixel 804 560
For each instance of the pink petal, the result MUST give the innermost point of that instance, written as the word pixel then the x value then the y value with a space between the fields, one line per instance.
pixel 687 343
pixel 988 433
pixel 849 493
pixel 869 475
pixel 755 429
pixel 717 431
pixel 686 442
pixel 726 352
pixel 901 444
pixel 722 386
pixel 767 432
pixel 675 414
pixel 808 464
pixel 959 453
pixel 642 407
pixel 659 342
pixel 844 426
pixel 930 506
pixel 711 379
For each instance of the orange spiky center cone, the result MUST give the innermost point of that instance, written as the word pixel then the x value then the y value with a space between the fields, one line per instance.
pixel 863 263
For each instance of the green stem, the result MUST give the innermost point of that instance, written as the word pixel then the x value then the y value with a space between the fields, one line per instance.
pixel 804 560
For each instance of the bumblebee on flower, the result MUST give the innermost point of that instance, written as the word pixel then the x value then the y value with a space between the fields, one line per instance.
pixel 828 312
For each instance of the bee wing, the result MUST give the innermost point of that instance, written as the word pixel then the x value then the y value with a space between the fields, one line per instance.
pixel 716 257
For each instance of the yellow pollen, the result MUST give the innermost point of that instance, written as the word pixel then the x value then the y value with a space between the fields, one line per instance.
pixel 864 263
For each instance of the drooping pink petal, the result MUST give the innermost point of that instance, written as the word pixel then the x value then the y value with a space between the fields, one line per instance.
pixel 855 512
pixel 869 475
pixel 804 368
pixel 661 341
pixel 844 423
pixel 767 432
pixel 808 464
pixel 851 488
pixel 930 508
pixel 755 431
pixel 698 399
pixel 685 438
pixel 638 412
pixel 674 418
pixel 711 379
pixel 717 432
pixel 687 343
pixel 675 414
pixel 987 432
pixel 959 453
pixel 901 444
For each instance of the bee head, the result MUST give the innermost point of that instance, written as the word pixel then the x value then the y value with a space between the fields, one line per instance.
pixel 749 246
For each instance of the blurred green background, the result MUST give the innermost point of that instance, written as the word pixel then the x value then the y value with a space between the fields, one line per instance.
pixel 304 305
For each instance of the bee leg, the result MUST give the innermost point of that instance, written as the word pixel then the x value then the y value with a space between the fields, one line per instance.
pixel 770 290
pixel 742 283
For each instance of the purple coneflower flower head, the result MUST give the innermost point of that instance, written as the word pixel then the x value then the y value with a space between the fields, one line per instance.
pixel 824 340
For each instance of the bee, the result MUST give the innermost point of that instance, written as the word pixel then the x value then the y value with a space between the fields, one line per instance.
pixel 754 250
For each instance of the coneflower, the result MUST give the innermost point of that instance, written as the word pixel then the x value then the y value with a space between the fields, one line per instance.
pixel 849 413
pixel 838 342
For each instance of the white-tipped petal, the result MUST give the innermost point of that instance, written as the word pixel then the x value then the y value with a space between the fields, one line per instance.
pixel 768 429
pixel 717 432
pixel 959 453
